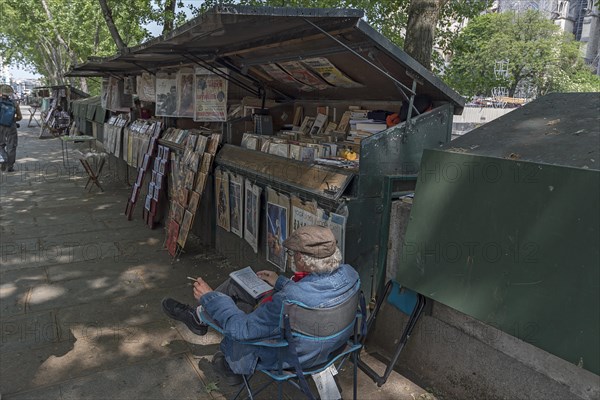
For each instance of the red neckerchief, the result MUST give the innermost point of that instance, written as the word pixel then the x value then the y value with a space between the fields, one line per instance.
pixel 297 276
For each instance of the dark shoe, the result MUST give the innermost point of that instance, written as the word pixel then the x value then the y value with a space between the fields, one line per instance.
pixel 184 313
pixel 221 367
pixel 10 169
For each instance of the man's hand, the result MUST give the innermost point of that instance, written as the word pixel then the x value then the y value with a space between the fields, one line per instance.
pixel 201 288
pixel 268 276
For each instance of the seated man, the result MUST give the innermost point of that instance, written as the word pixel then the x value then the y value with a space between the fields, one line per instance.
pixel 319 281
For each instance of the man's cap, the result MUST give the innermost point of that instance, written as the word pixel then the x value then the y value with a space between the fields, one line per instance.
pixel 313 240
pixel 6 90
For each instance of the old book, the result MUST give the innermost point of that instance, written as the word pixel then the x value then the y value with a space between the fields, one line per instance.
pixel 344 122
pixel 332 126
pixel 307 124
pixel 201 144
pixel 250 282
pixel 200 182
pixel 319 124
pixel 298 116
pixel 295 151
pixel 279 149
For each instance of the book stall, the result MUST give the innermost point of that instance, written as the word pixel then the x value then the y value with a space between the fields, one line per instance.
pixel 56 113
pixel 282 117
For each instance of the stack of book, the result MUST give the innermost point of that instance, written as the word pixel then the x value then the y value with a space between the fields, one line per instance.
pixel 361 129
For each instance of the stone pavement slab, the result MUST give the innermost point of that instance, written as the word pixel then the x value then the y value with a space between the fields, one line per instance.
pixel 161 379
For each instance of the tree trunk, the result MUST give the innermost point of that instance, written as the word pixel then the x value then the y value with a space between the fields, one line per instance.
pixel 169 16
pixel 111 25
pixel 423 17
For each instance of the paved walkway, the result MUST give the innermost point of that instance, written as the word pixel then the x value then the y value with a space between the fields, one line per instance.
pixel 80 292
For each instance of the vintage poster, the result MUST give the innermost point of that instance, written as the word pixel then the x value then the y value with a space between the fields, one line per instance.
pixel 302 74
pixel 236 212
pixel 185 91
pixel 166 95
pixel 211 96
pixel 280 75
pixel 222 198
pixel 105 93
pixel 278 206
pixel 113 101
pixel 129 86
pixel 330 73
pixel 146 87
pixel 337 224
pixel 252 211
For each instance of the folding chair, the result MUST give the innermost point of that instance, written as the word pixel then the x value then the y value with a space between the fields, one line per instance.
pixel 405 300
pixel 299 322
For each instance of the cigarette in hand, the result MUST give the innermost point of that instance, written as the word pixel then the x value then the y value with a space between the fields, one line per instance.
pixel 191 279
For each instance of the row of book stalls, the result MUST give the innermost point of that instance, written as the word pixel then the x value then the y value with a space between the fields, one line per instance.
pixel 54 106
pixel 248 122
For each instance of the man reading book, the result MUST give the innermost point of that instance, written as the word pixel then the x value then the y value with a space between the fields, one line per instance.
pixel 319 281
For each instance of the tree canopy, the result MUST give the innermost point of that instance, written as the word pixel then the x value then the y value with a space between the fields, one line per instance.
pixel 391 17
pixel 49 36
pixel 536 52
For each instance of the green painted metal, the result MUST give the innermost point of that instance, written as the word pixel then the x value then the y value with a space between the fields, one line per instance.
pixel 397 151
pixel 513 244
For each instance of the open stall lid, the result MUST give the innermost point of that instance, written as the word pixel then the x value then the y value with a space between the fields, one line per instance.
pixel 296 53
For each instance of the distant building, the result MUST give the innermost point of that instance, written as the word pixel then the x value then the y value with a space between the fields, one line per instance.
pixel 5 75
pixel 579 17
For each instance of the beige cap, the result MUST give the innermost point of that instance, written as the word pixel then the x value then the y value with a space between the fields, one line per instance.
pixel 313 240
pixel 6 90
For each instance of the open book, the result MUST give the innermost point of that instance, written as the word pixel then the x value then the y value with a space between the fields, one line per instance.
pixel 250 282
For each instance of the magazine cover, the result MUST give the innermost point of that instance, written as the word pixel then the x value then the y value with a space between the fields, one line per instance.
pixel 222 198
pixel 236 212
pixel 166 95
pixel 337 224
pixel 252 211
pixel 211 96
pixel 303 213
pixel 185 91
pixel 277 228
pixel 330 73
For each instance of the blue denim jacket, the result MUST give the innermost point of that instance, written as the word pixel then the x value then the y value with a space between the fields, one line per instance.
pixel 314 290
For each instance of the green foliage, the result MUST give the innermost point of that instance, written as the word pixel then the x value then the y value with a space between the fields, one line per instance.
pixel 387 17
pixel 31 40
pixel 538 54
